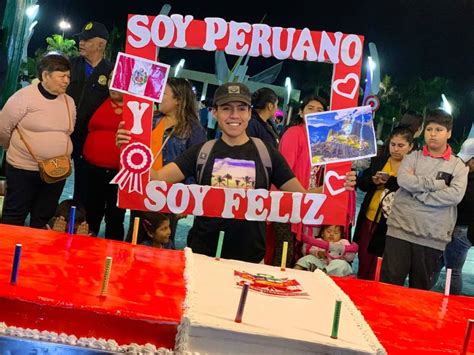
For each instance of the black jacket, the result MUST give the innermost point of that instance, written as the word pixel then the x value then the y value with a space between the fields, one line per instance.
pixel 466 208
pixel 88 94
pixel 365 183
pixel 266 131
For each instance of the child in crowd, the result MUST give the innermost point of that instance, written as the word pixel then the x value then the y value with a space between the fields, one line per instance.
pixel 60 221
pixel 330 253
pixel 154 230
pixel 432 182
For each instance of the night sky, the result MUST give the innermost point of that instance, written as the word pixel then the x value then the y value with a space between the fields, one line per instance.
pixel 427 37
pixel 414 37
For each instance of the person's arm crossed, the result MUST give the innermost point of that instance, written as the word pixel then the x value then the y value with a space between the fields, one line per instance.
pixel 452 194
pixel 408 178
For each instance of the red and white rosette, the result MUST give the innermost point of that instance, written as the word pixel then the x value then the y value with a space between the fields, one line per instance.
pixel 373 101
pixel 136 160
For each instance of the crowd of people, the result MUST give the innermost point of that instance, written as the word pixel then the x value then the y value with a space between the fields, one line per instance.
pixel 410 214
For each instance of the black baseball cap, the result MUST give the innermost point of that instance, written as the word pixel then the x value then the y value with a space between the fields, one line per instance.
pixel 93 29
pixel 232 92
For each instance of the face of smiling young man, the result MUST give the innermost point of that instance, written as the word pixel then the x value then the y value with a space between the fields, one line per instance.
pixel 233 118
pixel 232 111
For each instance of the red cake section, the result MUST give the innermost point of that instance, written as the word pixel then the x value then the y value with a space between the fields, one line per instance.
pixel 409 321
pixel 60 279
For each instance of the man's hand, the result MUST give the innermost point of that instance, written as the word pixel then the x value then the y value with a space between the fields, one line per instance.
pixel 350 182
pixel 122 136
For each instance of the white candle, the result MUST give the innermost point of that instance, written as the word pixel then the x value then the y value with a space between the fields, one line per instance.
pixel 447 285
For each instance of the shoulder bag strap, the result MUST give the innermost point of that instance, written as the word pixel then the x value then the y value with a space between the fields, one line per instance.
pixel 202 158
pixel 162 146
pixel 26 144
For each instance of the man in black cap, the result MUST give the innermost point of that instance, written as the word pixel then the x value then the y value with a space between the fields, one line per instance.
pixel 257 165
pixel 89 74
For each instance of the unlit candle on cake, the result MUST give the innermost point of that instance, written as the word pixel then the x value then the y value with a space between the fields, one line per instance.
pixel 377 269
pixel 16 264
pixel 105 281
pixel 72 220
pixel 337 317
pixel 136 225
pixel 470 322
pixel 243 299
pixel 284 255
pixel 447 285
pixel 220 243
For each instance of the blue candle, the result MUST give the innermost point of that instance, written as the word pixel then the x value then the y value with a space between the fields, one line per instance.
pixel 72 219
pixel 16 264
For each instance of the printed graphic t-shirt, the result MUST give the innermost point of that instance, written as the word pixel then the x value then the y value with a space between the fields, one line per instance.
pixel 232 166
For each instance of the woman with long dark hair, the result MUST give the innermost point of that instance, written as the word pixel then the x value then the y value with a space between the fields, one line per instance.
pixel 176 128
pixel 264 107
pixel 379 181
pixel 294 143
pixel 294 147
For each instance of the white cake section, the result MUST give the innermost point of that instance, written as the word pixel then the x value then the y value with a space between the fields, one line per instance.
pixel 270 324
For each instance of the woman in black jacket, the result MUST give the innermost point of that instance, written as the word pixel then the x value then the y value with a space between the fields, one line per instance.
pixel 264 108
pixel 379 182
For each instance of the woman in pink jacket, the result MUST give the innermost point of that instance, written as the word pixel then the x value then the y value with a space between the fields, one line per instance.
pixel 294 147
pixel 294 144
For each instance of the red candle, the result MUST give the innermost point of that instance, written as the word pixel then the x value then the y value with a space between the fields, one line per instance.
pixel 377 269
pixel 243 299
pixel 467 336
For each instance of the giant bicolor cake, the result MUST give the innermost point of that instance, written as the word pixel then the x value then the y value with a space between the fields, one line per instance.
pixel 165 299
